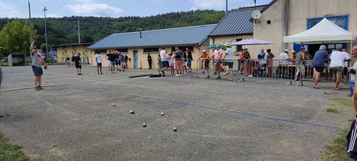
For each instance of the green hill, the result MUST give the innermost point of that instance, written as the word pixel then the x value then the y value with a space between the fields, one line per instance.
pixel 64 30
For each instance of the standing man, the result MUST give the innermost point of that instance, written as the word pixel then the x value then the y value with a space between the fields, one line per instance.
pixel 149 59
pixel 337 64
pixel 122 63
pixel 353 70
pixel 205 58
pixel 318 63
pixel 178 58
pixel 78 64
pixel 229 55
pixel 300 56
pixel 125 61
pixel 217 60
pixel 282 63
pixel 190 58
pixel 164 61
pixel 73 60
pixel 99 63
pixel 37 62
pixel 118 60
pixel 112 62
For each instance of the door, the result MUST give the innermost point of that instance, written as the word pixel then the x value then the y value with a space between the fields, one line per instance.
pixel 135 53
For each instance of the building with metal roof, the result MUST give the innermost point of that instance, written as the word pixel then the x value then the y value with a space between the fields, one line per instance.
pixel 183 36
pixel 138 45
pixel 236 25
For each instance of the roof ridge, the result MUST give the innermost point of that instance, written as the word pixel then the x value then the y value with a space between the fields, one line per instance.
pixel 176 28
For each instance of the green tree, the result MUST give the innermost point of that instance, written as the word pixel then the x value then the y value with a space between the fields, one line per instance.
pixel 14 37
pixel 43 47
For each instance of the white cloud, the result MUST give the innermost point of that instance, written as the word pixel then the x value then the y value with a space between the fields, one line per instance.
pixel 52 15
pixel 94 9
pixel 8 10
pixel 83 1
pixel 213 4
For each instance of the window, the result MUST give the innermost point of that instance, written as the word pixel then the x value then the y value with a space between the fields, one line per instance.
pixel 238 47
pixel 341 21
pixel 122 50
pixel 149 50
pixel 184 48
pixel 101 51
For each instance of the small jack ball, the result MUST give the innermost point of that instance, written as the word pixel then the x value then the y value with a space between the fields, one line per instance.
pixel 131 111
pixel 144 125
pixel 175 129
pixel 162 114
pixel 81 77
pixel 114 104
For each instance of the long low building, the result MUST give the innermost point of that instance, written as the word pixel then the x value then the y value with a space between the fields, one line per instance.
pixel 137 45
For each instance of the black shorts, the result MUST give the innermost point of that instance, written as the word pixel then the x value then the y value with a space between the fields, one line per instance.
pixel 118 62
pixel 207 62
pixel 165 64
pixel 319 69
pixel 37 71
pixel 230 64
pixel 78 66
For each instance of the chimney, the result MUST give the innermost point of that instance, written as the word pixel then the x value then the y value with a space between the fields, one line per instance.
pixel 140 32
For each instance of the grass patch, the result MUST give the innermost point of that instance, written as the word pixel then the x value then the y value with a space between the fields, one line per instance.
pixel 345 102
pixel 10 152
pixel 329 92
pixel 332 110
pixel 336 151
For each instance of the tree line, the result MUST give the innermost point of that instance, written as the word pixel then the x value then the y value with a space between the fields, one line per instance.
pixel 14 33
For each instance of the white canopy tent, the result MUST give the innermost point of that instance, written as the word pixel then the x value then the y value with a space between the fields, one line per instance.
pixel 324 32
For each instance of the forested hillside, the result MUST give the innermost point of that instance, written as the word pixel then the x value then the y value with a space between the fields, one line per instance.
pixel 64 30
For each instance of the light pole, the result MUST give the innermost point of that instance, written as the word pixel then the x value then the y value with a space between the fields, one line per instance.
pixel 45 9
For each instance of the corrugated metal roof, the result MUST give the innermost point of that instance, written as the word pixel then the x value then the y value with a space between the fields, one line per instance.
pixel 236 22
pixel 193 35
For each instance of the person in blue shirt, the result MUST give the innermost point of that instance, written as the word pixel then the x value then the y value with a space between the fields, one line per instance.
pixel 318 63
pixel 262 54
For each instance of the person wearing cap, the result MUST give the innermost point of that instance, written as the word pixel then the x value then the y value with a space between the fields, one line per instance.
pixel 300 56
pixel 229 59
pixel 37 62
pixel 282 63
pixel 320 57
pixel 205 58
pixel 294 55
pixel 337 64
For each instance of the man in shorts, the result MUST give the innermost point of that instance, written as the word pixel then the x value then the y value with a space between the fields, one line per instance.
pixel 205 58
pixel 229 59
pixel 352 70
pixel 217 57
pixel 189 58
pixel 122 62
pixel 99 63
pixel 118 61
pixel 73 60
pixel 318 63
pixel 178 56
pixel 112 61
pixel 164 61
pixel 37 62
pixel 78 64
pixel 337 64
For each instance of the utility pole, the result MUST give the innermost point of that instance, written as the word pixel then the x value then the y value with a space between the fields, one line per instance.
pixel 30 20
pixel 45 9
pixel 78 30
pixel 227 5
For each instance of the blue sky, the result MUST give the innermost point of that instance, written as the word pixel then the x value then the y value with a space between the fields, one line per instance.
pixel 113 8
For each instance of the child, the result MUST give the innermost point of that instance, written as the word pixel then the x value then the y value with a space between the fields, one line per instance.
pixel 171 64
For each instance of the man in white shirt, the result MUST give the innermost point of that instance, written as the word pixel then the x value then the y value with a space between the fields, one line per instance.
pixel 217 57
pixel 282 63
pixel 99 62
pixel 164 60
pixel 229 59
pixel 353 70
pixel 337 64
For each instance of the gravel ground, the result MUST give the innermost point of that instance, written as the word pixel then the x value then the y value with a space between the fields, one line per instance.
pixel 73 118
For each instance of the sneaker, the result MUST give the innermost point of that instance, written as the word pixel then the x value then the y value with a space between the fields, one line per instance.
pixel 102 73
pixel 40 87
pixel 250 76
pixel 336 89
pixel 37 88
pixel 1 115
pixel 177 75
pixel 98 73
pixel 315 87
pixel 218 77
pixel 227 73
pixel 163 75
pixel 208 77
pixel 80 74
